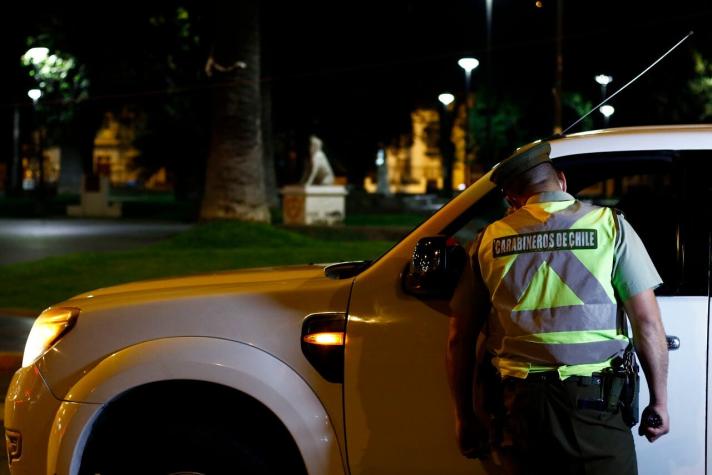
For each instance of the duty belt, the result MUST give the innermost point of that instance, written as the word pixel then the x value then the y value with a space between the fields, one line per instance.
pixel 608 395
pixel 551 376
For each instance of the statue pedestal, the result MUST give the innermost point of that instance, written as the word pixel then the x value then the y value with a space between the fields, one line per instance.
pixel 314 204
pixel 95 203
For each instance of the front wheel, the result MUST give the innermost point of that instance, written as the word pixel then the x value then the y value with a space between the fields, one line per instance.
pixel 212 434
pixel 170 448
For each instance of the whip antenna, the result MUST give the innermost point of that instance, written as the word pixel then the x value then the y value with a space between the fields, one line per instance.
pixel 628 83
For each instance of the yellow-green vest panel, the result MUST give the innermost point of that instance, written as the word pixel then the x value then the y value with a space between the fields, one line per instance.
pixel 548 269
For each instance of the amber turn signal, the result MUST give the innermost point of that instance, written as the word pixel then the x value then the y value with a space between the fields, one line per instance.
pixel 325 338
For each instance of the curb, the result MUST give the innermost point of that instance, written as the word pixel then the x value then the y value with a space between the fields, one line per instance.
pixel 18 312
pixel 10 361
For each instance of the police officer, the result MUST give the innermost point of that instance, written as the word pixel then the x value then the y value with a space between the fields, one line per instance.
pixel 542 290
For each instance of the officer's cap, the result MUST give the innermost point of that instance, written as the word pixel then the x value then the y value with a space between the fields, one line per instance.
pixel 520 161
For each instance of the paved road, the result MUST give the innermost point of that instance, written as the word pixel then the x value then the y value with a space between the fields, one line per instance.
pixel 13 332
pixel 32 239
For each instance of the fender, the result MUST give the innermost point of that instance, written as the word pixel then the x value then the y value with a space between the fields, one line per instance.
pixel 237 365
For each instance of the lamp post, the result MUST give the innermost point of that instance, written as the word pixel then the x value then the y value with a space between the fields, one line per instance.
pixel 37 57
pixel 468 64
pixel 15 179
pixel 35 95
pixel 558 82
pixel 446 147
pixel 604 80
pixel 34 57
pixel 489 69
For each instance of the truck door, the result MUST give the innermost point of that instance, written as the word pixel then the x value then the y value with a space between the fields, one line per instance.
pixel 398 412
pixel 661 195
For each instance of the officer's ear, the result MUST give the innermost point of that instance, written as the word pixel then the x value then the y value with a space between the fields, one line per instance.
pixel 514 202
pixel 562 179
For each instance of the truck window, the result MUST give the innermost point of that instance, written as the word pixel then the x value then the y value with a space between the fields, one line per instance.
pixel 664 195
pixel 696 221
pixel 647 188
pixel 490 208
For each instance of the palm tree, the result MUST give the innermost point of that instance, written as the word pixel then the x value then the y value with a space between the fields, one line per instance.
pixel 234 182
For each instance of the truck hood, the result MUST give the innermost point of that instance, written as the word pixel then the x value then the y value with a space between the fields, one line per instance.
pixel 265 276
pixel 264 308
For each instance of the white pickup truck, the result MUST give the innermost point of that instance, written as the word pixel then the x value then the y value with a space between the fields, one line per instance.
pixel 340 369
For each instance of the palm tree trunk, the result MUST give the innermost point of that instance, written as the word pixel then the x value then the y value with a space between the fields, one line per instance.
pixel 234 183
pixel 268 148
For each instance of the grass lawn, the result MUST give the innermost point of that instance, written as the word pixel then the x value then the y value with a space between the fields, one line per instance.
pixel 408 220
pixel 215 246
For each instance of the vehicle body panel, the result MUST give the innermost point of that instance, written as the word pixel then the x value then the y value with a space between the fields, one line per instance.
pixel 682 451
pixel 262 308
pixel 29 410
pixel 234 365
pixel 396 343
pixel 668 137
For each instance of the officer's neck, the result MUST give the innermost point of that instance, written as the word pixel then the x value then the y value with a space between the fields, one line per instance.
pixel 520 200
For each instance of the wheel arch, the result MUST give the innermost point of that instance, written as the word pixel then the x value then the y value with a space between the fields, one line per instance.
pixel 238 369
pixel 233 411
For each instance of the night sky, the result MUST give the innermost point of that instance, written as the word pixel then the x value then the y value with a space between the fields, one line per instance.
pixel 352 72
pixel 403 54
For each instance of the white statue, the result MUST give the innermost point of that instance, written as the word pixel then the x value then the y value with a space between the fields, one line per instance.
pixel 320 172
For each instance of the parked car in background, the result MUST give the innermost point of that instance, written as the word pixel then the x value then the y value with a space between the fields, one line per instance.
pixel 426 204
pixel 340 369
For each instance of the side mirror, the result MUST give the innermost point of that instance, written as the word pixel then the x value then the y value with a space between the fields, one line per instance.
pixel 434 269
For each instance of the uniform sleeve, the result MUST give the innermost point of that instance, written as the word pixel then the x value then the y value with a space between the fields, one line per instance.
pixel 633 270
pixel 471 288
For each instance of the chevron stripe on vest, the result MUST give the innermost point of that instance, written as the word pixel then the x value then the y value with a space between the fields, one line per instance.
pixel 548 268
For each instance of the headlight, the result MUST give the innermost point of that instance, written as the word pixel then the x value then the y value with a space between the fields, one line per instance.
pixel 50 326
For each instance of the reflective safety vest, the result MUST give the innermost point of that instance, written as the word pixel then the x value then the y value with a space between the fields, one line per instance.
pixel 548 268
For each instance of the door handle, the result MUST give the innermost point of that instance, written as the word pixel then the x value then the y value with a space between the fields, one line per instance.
pixel 673 342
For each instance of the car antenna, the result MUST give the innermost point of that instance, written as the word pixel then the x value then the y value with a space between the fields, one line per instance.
pixel 626 85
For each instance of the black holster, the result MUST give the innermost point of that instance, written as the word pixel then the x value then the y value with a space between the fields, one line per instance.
pixel 626 374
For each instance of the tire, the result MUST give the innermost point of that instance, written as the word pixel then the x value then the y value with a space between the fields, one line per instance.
pixel 171 449
pixel 206 436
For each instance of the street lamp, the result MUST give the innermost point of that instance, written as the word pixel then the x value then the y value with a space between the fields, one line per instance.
pixel 382 185
pixel 489 70
pixel 446 147
pixel 607 111
pixel 446 98
pixel 35 95
pixel 604 80
pixel 468 64
pixel 38 57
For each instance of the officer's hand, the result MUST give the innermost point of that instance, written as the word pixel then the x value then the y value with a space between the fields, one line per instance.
pixel 472 438
pixel 654 422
